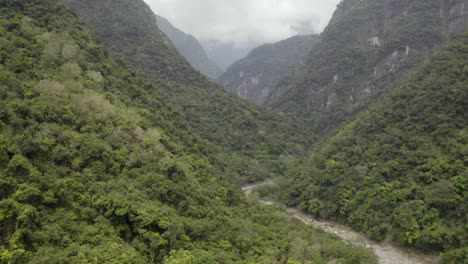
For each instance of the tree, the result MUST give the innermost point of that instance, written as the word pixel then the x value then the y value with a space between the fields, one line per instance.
pixel 179 257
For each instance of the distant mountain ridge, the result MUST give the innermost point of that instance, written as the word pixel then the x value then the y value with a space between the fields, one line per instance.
pixel 367 46
pixel 225 54
pixel 96 166
pixel 399 170
pixel 246 136
pixel 114 149
pixel 257 76
pixel 190 48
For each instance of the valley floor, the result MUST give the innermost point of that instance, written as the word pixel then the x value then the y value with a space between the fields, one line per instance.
pixel 386 253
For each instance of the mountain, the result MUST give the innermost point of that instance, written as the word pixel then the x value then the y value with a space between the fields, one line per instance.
pixel 399 170
pixel 190 48
pixel 95 167
pixel 226 53
pixel 242 134
pixel 256 76
pixel 365 49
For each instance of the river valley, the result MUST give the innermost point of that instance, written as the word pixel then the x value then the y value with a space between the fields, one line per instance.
pixel 386 253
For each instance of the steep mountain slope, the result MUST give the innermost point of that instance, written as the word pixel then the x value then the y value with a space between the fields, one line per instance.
pixel 400 169
pixel 367 46
pixel 190 48
pixel 134 37
pixel 256 76
pixel 255 142
pixel 96 169
pixel 225 54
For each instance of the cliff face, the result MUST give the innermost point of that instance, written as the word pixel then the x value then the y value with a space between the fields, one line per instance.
pixel 190 48
pixel 367 46
pixel 256 76
pixel 96 167
pixel 398 171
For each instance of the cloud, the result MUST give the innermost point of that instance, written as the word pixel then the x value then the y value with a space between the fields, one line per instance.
pixel 243 22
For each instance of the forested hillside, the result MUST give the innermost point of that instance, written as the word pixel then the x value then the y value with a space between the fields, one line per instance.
pixel 365 49
pixel 190 48
pixel 256 143
pixel 400 169
pixel 113 149
pixel 96 168
pixel 257 76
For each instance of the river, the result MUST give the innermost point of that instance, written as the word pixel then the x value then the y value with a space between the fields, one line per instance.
pixel 386 253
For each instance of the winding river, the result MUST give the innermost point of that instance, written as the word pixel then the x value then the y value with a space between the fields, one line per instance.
pixel 386 253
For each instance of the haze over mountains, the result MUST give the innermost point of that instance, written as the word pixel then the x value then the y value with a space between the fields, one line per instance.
pixel 190 48
pixel 258 75
pixel 99 166
pixel 229 30
pixel 115 146
pixel 361 53
pixel 225 54
pixel 365 49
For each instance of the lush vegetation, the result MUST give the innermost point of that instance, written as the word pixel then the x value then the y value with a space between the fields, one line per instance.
pixel 190 48
pixel 366 48
pixel 255 143
pixel 256 76
pixel 400 169
pixel 96 168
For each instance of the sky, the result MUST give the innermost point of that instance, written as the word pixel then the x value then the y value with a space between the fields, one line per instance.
pixel 245 22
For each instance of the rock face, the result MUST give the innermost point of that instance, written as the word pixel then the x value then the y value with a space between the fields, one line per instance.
pixel 256 76
pixel 378 172
pixel 190 48
pixel 366 47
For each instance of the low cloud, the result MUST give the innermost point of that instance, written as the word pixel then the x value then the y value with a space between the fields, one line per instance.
pixel 243 22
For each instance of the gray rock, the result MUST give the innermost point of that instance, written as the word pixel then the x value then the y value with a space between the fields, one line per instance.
pixel 256 76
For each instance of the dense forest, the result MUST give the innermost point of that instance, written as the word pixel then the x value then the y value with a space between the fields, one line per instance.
pixel 390 159
pixel 399 169
pixel 95 167
pixel 113 149
pixel 256 143
pixel 367 47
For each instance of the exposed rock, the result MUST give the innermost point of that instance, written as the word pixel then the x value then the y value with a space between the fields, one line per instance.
pixel 375 41
pixel 256 76
pixel 369 44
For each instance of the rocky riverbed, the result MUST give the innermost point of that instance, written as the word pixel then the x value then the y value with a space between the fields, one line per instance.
pixel 386 253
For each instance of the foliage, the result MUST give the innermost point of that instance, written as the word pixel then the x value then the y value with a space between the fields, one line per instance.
pixel 189 47
pixel 364 51
pixel 400 169
pixel 235 129
pixel 96 168
pixel 256 76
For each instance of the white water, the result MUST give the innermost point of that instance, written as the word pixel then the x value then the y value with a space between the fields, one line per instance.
pixel 386 253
